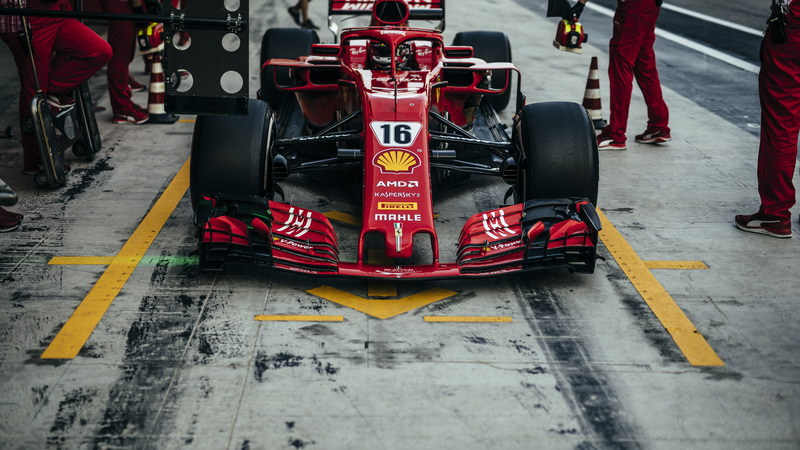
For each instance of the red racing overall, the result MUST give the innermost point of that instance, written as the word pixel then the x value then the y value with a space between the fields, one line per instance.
pixel 122 38
pixel 67 53
pixel 631 54
pixel 779 91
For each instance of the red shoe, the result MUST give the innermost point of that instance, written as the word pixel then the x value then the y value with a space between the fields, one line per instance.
pixel 9 221
pixel 605 142
pixel 135 85
pixel 140 109
pixel 765 224
pixel 653 137
pixel 135 116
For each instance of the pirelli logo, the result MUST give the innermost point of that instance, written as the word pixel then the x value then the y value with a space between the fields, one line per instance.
pixel 398 206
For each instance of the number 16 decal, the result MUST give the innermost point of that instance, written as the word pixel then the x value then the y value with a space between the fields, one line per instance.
pixel 396 134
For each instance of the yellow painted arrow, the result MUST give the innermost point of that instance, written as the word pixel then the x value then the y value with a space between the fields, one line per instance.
pixel 380 288
pixel 382 309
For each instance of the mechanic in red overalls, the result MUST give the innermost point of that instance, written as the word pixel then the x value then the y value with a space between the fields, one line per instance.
pixel 631 54
pixel 67 53
pixel 779 92
pixel 122 38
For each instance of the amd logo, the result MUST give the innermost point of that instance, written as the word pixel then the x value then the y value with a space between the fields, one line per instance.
pixel 400 184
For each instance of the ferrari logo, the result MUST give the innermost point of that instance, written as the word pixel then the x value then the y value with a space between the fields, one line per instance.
pixel 398 235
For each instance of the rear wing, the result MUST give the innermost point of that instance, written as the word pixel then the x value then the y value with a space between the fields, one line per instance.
pixel 419 10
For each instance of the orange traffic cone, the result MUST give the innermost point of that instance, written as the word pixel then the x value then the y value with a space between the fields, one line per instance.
pixel 155 101
pixel 591 99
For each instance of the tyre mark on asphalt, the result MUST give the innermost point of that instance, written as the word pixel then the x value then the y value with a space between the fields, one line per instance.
pixel 156 345
pixel 266 365
pixel 693 345
pixel 69 341
pixel 74 408
pixel 584 386
pixel 596 406
pixel 651 327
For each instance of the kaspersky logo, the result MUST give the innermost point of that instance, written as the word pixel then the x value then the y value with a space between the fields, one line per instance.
pixel 396 161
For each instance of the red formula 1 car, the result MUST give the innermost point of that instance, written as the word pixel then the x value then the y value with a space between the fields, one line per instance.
pixel 397 109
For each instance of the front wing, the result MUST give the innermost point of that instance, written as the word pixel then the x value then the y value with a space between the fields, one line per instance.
pixel 538 234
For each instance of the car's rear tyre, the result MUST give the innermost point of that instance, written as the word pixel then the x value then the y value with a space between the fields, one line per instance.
pixel 559 149
pixel 232 155
pixel 285 43
pixel 490 46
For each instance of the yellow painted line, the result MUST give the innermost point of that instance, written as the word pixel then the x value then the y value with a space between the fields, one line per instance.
pixel 680 265
pixel 467 319
pixel 80 260
pixel 289 318
pixel 106 260
pixel 380 288
pixel 343 217
pixel 73 335
pixel 382 309
pixel 689 340
pixel 186 120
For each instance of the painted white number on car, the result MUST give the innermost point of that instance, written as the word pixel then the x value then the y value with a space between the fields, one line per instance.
pixel 396 134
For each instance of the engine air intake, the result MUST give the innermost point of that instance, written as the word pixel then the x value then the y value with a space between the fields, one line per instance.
pixel 391 12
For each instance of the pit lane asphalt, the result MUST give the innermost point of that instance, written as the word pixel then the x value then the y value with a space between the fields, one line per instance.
pixel 188 359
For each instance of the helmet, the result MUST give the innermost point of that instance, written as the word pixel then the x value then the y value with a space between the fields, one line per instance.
pixel 380 54
pixel 403 54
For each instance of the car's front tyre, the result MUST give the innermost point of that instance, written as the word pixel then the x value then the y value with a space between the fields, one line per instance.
pixel 232 155
pixel 558 152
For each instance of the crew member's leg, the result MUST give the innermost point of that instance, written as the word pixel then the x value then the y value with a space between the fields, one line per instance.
pixel 779 91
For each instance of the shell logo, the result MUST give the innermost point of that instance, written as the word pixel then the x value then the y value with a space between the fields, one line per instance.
pixel 396 161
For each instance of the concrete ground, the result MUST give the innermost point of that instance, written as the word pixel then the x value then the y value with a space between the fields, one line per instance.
pixel 686 336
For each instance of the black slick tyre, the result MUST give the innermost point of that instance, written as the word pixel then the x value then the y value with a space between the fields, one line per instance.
pixel 559 152
pixel 284 43
pixel 231 155
pixel 490 46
